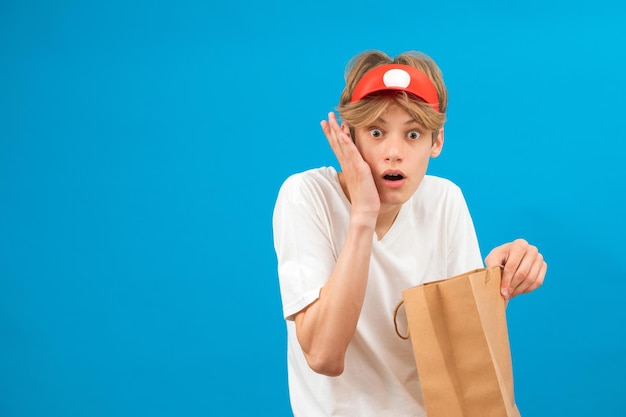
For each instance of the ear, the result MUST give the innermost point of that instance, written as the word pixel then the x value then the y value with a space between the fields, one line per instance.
pixel 438 145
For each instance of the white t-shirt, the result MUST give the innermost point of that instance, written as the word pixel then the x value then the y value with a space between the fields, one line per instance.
pixel 432 238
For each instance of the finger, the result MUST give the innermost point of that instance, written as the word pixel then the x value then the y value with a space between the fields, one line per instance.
pixel 497 256
pixel 333 140
pixel 329 136
pixel 534 279
pixel 326 128
pixel 510 256
pixel 331 127
pixel 530 261
pixel 338 130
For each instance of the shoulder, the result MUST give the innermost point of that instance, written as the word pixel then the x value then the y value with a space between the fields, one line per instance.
pixel 310 197
pixel 433 186
pixel 306 184
pixel 439 195
pixel 309 176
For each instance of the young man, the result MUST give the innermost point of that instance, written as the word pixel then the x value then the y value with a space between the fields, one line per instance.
pixel 349 242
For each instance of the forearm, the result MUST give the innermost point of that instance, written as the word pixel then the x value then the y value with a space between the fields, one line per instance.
pixel 327 326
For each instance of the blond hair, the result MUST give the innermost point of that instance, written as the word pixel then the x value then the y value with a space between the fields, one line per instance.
pixel 365 111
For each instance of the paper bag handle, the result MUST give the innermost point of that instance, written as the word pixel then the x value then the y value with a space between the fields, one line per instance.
pixel 395 321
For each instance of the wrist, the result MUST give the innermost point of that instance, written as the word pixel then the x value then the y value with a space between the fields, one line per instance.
pixel 363 221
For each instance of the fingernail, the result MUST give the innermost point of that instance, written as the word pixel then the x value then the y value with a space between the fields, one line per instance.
pixel 505 293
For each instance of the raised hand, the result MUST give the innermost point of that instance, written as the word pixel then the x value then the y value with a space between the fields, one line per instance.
pixel 357 174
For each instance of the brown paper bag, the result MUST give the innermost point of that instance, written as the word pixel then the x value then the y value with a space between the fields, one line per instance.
pixel 460 341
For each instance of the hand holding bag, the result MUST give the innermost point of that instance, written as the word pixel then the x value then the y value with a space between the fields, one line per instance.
pixel 459 336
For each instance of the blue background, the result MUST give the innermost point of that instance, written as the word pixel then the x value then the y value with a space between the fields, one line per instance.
pixel 142 144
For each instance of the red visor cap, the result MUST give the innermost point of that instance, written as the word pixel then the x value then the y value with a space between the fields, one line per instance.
pixel 397 77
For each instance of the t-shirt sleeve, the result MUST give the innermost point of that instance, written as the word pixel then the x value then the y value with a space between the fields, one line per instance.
pixel 463 248
pixel 303 245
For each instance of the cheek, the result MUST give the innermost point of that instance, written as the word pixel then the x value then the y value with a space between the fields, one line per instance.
pixel 367 153
pixel 369 157
pixel 420 160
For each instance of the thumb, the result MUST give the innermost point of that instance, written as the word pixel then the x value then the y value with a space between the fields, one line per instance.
pixel 498 257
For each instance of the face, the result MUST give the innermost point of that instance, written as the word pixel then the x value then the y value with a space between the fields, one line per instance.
pixel 397 148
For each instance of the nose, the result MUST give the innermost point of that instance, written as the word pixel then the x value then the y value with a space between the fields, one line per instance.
pixel 394 148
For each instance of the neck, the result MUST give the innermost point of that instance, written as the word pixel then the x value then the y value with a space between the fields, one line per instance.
pixel 386 216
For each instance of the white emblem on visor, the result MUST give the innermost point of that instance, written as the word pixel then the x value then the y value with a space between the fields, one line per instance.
pixel 397 78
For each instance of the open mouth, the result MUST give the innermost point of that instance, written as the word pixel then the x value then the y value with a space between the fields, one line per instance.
pixel 393 177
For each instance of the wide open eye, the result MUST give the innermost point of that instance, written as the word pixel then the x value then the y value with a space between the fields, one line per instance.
pixel 376 133
pixel 413 134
